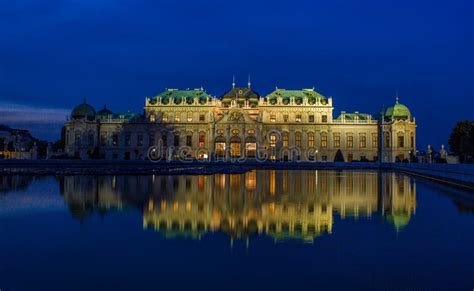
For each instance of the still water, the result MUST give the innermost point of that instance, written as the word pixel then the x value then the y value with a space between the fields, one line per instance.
pixel 277 230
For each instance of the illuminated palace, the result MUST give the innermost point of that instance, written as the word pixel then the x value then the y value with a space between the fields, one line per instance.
pixel 294 125
pixel 280 204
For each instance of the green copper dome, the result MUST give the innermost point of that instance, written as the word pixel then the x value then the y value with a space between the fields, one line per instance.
pixel 398 111
pixel 104 111
pixel 83 110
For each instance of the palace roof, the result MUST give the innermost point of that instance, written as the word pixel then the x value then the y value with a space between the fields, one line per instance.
pixel 179 96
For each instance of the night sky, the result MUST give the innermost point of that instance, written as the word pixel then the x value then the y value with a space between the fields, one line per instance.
pixel 55 52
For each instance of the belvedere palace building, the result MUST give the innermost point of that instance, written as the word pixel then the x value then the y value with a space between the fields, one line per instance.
pixel 288 125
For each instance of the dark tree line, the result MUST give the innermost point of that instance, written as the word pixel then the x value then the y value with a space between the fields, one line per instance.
pixel 461 141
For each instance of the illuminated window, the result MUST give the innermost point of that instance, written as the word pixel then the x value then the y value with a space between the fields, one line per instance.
pixel 362 141
pixel 220 132
pixel 273 139
pixel 220 149
pixel 350 157
pixel 190 116
pixel 285 139
pixel 350 141
pixel 202 117
pixel 202 139
pixel 298 118
pixel 311 118
pixel 400 141
pixel 189 140
pixel 152 118
pixel 324 140
pixel 337 140
pixel 311 139
pixel 272 117
pixel 375 140
pixel 298 139
pixel 177 117
pixel 165 117
pixel 285 117
pixel 235 132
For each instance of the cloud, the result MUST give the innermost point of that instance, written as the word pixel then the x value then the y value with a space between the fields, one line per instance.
pixel 23 114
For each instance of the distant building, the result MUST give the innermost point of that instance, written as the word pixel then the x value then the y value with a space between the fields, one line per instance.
pixel 16 144
pixel 293 125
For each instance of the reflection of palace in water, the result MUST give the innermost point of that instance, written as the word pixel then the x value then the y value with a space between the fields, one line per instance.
pixel 281 204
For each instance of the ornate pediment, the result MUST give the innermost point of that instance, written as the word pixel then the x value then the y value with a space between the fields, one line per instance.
pixel 236 116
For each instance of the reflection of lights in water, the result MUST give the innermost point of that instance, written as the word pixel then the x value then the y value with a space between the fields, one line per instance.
pixel 298 211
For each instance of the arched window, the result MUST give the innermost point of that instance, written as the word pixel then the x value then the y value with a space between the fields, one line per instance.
pixel 77 137
pixel 298 139
pixel 284 138
pixel 400 140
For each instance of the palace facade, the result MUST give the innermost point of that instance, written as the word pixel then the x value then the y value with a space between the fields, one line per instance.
pixel 289 125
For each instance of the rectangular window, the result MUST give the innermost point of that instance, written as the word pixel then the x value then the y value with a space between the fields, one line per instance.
pixel 202 117
pixel 311 140
pixel 103 139
pixel 139 139
pixel 151 138
pixel 337 141
pixel 362 141
pixel 350 157
pixel 115 139
pixel 324 119
pixel 176 140
pixel 324 140
pixel 190 116
pixel 375 140
pixel 189 140
pixel 285 117
pixel 311 118
pixel 165 117
pixel 298 118
pixel 202 140
pixel 177 117
pixel 272 118
pixel 152 118
pixel 128 139
pixel 350 141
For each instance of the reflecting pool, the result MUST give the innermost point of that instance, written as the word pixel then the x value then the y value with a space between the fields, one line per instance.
pixel 260 230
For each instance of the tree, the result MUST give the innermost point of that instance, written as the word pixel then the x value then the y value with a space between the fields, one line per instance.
pixel 461 140
pixel 339 157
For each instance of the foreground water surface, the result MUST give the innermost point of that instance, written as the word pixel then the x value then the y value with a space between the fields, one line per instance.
pixel 280 230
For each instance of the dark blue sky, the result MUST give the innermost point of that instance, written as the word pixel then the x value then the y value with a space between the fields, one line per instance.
pixel 53 53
